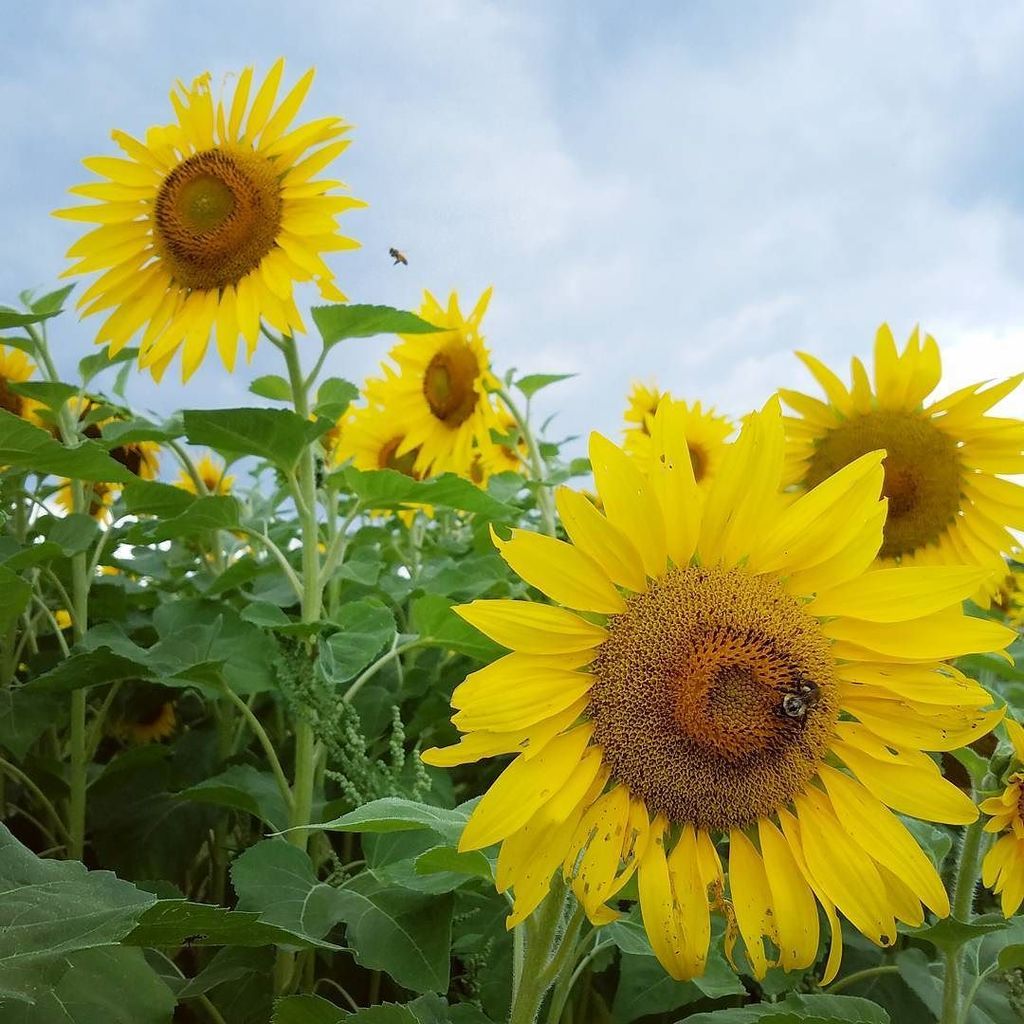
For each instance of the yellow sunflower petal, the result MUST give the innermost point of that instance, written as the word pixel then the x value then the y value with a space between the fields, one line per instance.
pixel 606 544
pixel 561 571
pixel 523 788
pixel 629 502
pixel 532 628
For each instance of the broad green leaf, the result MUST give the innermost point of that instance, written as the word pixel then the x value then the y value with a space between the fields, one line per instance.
pixel 51 393
pixel 108 985
pixel 263 613
pixel 448 860
pixel 12 318
pixel 151 498
pixel 15 594
pixel 308 1010
pixel 174 923
pixel 51 302
pixel 273 387
pixel 29 447
pixel 333 397
pixel 73 533
pixel 239 982
pixel 432 617
pixel 87 668
pixel 534 382
pixel 387 488
pixel 99 361
pixel 394 930
pixel 213 512
pixel 33 554
pixel 276 880
pixel 800 1009
pixel 51 909
pixel 243 788
pixel 367 627
pixel 277 435
pixel 950 933
pixel 644 987
pixel 396 814
pixel 125 431
pixel 338 322
pixel 24 717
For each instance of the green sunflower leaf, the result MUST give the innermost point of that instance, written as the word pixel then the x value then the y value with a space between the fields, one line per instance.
pixel 277 435
pixel 29 447
pixel 338 322
pixel 800 1009
pixel 534 382
pixel 52 910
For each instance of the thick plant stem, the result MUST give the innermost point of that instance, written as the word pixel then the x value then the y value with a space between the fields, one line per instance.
pixel 961 908
pixel 304 494
pixel 542 957
pixel 538 472
pixel 305 500
pixel 78 777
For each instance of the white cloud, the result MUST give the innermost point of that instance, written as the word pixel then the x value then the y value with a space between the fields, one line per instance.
pixel 688 197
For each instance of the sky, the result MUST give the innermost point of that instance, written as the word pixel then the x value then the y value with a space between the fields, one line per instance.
pixel 674 192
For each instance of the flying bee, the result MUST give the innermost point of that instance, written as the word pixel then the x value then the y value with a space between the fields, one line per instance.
pixel 398 256
pixel 795 705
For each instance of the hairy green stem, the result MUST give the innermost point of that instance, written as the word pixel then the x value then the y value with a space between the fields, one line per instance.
pixel 962 902
pixel 538 472
pixel 539 952
pixel 264 740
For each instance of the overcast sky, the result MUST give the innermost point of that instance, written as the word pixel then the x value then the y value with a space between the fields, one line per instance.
pixel 682 192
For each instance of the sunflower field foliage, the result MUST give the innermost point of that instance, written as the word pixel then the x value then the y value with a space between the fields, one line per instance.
pixel 382 702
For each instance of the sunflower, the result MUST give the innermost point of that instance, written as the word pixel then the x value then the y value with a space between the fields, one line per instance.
pixel 739 677
pixel 1008 596
pixel 439 390
pixel 212 475
pixel 371 435
pixel 642 404
pixel 15 368
pixel 209 223
pixel 150 723
pixel 1003 868
pixel 704 429
pixel 948 504
pixel 139 457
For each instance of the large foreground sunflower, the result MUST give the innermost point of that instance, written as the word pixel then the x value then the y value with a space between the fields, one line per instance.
pixel 948 503
pixel 732 676
pixel 1003 867
pixel 439 390
pixel 207 224
pixel 705 431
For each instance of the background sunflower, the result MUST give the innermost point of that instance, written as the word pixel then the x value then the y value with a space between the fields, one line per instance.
pixel 207 224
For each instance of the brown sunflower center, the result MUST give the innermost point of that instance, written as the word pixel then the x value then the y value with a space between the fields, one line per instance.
pixel 130 456
pixel 217 215
pixel 715 700
pixel 8 399
pixel 699 461
pixel 922 473
pixel 449 383
pixel 388 457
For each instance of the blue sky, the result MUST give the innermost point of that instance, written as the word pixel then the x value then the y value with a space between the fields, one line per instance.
pixel 681 192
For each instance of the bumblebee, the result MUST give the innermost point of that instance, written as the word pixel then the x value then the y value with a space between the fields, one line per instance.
pixel 398 257
pixel 796 704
